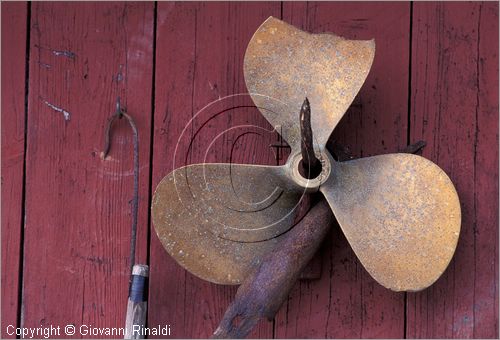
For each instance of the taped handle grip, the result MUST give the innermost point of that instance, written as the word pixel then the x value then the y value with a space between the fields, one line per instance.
pixel 137 305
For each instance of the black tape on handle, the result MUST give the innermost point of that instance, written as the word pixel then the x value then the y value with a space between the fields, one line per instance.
pixel 138 291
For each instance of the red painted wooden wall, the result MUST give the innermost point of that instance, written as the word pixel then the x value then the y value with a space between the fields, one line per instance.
pixel 65 210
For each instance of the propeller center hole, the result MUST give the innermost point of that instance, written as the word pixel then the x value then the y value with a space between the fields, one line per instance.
pixel 309 172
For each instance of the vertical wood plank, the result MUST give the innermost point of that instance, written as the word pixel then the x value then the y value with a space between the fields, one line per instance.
pixel 486 176
pixel 14 35
pixel 346 302
pixel 454 107
pixel 200 49
pixel 78 216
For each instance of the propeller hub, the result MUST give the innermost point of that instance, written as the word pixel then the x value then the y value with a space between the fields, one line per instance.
pixel 310 185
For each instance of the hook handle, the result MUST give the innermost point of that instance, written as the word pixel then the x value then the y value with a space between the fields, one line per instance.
pixel 119 113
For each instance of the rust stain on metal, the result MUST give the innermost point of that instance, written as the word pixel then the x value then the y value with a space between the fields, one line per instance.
pixel 399 212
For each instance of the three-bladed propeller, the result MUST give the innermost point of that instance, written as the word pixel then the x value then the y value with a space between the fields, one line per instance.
pixel 399 212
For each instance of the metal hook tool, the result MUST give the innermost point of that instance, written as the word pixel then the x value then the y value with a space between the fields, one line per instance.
pixel 119 113
pixel 137 300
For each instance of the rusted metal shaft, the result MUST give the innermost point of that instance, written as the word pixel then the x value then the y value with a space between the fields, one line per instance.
pixel 311 166
pixel 264 291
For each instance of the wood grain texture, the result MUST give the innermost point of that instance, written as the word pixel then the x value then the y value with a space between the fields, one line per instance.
pixel 200 49
pixel 454 107
pixel 78 217
pixel 77 212
pixel 346 301
pixel 14 28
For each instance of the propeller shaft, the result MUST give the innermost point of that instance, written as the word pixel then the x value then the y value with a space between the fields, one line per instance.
pixel 311 165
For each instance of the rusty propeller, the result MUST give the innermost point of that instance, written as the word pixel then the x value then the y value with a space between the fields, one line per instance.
pixel 400 212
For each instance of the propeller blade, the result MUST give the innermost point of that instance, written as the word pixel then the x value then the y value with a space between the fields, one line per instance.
pixel 218 220
pixel 400 214
pixel 283 65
